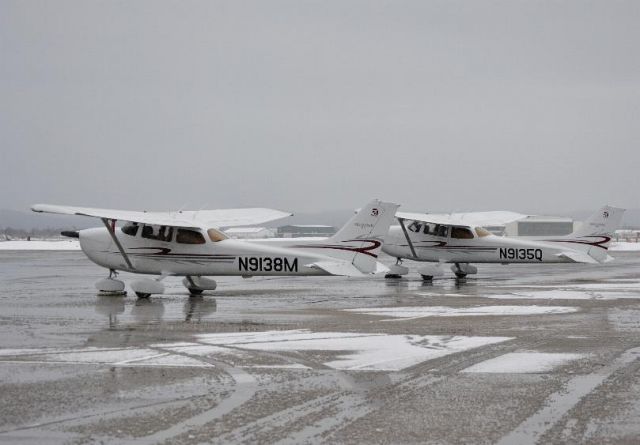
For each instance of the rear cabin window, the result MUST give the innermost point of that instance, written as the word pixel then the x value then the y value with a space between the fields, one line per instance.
pixel 186 236
pixel 461 233
pixel 130 229
pixel 160 233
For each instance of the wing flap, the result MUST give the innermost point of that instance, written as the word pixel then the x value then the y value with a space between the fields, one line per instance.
pixel 188 219
pixel 578 257
pixel 342 268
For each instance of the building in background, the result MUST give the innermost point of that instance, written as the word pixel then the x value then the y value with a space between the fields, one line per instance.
pixel 306 230
pixel 540 226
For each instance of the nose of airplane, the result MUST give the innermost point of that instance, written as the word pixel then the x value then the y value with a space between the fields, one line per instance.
pixel 94 242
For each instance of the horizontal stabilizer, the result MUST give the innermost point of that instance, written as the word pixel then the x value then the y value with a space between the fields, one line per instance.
pixel 342 268
pixel 577 257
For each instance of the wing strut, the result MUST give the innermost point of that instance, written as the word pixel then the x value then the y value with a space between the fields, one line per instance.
pixel 111 228
pixel 406 235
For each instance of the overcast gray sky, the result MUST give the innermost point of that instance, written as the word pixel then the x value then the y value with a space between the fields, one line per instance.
pixel 312 105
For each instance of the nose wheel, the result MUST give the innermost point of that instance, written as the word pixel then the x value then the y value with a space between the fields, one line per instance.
pixel 110 285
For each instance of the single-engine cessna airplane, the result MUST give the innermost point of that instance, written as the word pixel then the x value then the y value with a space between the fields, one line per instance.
pixel 191 244
pixel 458 240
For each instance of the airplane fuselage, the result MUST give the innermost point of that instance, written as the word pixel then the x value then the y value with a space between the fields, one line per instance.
pixel 273 257
pixel 479 249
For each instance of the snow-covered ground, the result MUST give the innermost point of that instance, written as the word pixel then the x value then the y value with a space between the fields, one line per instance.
pixel 413 312
pixel 524 362
pixel 71 244
pixel 352 351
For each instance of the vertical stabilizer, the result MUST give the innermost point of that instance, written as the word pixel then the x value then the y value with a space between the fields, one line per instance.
pixel 602 223
pixel 360 240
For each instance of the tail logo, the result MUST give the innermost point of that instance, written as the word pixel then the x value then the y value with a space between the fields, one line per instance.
pixel 375 212
pixel 605 214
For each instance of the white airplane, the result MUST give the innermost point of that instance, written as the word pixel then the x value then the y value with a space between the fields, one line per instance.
pixel 460 239
pixel 191 244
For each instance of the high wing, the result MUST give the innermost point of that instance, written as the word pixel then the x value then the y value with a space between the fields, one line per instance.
pixel 494 218
pixel 187 218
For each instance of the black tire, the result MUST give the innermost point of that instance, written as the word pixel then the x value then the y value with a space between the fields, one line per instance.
pixel 193 291
pixel 392 276
pixel 142 295
pixel 427 277
pixel 461 276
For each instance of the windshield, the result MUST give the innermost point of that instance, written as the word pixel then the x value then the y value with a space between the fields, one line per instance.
pixel 215 235
pixel 482 232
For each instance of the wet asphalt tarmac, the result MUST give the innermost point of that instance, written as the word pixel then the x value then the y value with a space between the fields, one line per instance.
pixel 517 354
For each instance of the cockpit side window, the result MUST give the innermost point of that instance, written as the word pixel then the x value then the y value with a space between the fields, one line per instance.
pixel 186 236
pixel 415 226
pixel 160 233
pixel 482 232
pixel 215 235
pixel 130 229
pixel 461 233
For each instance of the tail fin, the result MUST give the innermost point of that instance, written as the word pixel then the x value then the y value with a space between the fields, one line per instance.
pixel 593 236
pixel 360 240
pixel 602 223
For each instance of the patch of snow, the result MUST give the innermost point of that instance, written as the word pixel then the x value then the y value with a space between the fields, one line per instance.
pixel 353 351
pixel 170 360
pixel 523 362
pixel 40 245
pixel 101 356
pixel 365 352
pixel 445 311
pixel 566 295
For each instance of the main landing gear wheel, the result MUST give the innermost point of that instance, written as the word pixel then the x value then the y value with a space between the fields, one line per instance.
pixel 196 285
pixel 142 295
pixel 461 270
pixel 427 277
